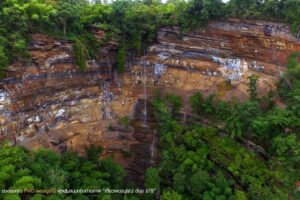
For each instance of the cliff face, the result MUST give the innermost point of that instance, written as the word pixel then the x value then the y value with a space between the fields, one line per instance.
pixel 224 51
pixel 50 103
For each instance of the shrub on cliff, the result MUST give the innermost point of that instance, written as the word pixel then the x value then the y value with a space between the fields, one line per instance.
pixel 252 87
pixel 196 102
pixel 3 62
pixel 121 59
pixel 125 122
pixel 174 102
pixel 289 85
pixel 80 55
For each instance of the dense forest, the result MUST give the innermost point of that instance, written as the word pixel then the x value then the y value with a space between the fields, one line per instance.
pixel 224 150
pixel 207 157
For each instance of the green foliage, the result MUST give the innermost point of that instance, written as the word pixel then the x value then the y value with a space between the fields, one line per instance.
pixel 133 23
pixel 81 54
pixel 121 59
pixel 286 11
pixel 198 163
pixel 239 195
pixel 170 195
pixel 241 117
pixel 252 87
pixel 3 62
pixel 174 103
pixel 287 149
pixel 90 43
pixel 196 102
pixel 245 8
pixel 44 169
pixel 152 180
pixel 201 105
pixel 222 110
pixel 93 152
pixel 209 104
pixel 17 18
pixel 124 121
pixel 68 14
pixel 289 85
pixel 200 11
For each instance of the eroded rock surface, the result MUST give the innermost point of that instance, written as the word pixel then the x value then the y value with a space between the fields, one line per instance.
pixel 224 52
pixel 50 103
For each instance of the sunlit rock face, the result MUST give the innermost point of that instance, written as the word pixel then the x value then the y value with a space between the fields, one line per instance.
pixel 50 103
pixel 224 52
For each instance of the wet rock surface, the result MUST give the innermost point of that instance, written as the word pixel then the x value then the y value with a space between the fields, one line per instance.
pixel 50 103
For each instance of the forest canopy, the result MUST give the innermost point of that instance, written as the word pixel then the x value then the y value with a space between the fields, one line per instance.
pixel 132 23
pixel 233 150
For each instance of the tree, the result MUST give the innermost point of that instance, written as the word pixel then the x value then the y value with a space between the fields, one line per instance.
pixel 44 169
pixel 179 182
pixel 152 180
pixel 208 104
pixel 91 14
pixel 170 195
pixel 14 174
pixel 196 102
pixel 279 119
pixel 93 152
pixel 239 195
pixel 38 13
pixel 222 110
pixel 68 12
pixel 234 122
pixel 287 149
pixel 241 118
pixel 252 87
pixel 291 13
pixel 245 8
pixel 174 102
pixel 199 183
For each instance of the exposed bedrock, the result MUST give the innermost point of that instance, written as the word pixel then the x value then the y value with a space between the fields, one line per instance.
pixel 50 103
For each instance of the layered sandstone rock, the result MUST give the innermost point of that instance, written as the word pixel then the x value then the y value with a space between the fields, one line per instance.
pixel 50 103
pixel 225 52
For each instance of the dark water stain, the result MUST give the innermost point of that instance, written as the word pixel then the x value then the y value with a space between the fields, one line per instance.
pixel 145 152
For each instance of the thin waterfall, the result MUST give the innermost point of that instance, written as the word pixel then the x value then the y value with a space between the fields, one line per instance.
pixel 106 96
pixel 145 93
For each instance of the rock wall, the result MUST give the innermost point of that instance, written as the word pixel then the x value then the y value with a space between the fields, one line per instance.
pixel 224 52
pixel 50 103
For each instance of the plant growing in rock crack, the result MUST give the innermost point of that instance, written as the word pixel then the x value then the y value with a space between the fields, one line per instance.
pixel 125 122
pixel 81 54
pixel 253 87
